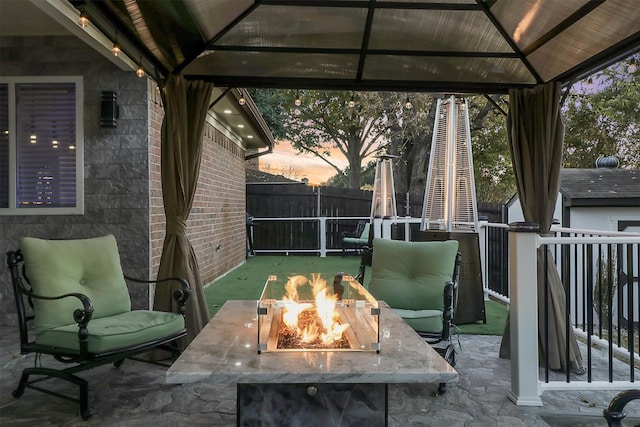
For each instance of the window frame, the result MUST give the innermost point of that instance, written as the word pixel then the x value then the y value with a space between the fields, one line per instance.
pixel 13 209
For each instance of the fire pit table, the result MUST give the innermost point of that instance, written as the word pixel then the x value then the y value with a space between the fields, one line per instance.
pixel 310 386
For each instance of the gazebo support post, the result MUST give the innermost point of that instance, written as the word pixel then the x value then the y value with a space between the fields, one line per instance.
pixel 525 388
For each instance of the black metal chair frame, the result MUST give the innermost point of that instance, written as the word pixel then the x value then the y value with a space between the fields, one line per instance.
pixel 83 359
pixel 450 296
pixel 357 233
pixel 614 412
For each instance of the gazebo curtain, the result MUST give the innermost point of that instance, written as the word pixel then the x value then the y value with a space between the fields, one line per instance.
pixel 185 108
pixel 536 135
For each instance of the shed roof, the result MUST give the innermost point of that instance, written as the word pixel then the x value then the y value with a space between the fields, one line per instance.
pixel 600 187
pixel 255 176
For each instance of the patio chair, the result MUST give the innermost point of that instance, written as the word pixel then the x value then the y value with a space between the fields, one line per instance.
pixel 419 281
pixel 73 303
pixel 357 238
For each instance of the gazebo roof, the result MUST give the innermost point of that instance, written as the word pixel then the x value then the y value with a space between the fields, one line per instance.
pixel 483 46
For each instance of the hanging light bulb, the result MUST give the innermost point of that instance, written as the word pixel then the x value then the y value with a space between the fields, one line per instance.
pixel 632 66
pixel 140 70
pixel 408 105
pixel 352 102
pixel 83 20
pixel 241 100
pixel 297 102
pixel 590 81
pixel 116 47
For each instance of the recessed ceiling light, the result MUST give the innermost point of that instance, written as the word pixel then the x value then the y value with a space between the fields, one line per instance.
pixel 227 111
pixel 250 136
pixel 241 126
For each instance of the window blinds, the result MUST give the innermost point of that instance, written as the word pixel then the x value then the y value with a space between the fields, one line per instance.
pixel 45 145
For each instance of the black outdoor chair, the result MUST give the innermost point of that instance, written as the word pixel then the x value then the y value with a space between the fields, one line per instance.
pixel 356 239
pixel 419 281
pixel 73 303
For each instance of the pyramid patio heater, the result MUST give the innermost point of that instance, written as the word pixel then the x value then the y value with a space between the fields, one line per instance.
pixel 383 201
pixel 449 211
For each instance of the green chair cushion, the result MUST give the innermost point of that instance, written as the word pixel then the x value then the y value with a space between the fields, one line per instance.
pixel 115 332
pixel 355 240
pixel 412 275
pixel 363 239
pixel 422 320
pixel 88 266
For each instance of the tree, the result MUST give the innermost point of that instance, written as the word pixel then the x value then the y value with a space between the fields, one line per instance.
pixel 410 139
pixel 325 124
pixel 492 168
pixel 368 175
pixel 602 118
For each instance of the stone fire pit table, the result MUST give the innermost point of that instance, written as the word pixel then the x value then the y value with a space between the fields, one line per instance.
pixel 307 387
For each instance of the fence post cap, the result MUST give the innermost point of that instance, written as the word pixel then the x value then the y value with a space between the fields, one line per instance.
pixel 524 227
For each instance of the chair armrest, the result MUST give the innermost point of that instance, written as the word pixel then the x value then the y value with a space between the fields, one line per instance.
pixel 365 260
pixel 180 295
pixel 81 316
pixel 349 234
pixel 355 233
pixel 447 313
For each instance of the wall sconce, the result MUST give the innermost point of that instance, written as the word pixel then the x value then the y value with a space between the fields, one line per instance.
pixel 109 110
pixel 383 202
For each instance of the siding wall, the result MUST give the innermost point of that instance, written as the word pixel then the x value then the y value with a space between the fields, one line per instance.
pixel 123 195
pixel 115 163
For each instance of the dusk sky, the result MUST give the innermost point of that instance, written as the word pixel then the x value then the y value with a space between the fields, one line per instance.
pixel 286 158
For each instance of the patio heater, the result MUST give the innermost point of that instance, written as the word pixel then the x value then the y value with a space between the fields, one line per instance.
pixel 383 201
pixel 449 211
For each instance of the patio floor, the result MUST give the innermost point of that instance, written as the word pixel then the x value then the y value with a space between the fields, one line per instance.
pixel 136 395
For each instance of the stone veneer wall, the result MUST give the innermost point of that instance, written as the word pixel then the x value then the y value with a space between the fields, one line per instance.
pixel 116 167
pixel 216 226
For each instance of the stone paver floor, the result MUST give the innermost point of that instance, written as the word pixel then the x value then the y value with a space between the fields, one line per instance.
pixel 136 395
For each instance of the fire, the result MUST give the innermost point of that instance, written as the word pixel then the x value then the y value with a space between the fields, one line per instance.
pixel 325 325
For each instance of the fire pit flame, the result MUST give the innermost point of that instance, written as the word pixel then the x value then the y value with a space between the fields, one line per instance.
pixel 300 313
pixel 328 329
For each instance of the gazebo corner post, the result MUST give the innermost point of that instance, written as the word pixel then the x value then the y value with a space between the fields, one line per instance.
pixel 523 243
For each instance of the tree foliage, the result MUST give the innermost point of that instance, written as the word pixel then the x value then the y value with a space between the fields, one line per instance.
pixel 325 124
pixel 602 118
pixel 492 168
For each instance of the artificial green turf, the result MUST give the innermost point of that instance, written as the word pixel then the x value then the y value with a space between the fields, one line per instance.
pixel 246 283
pixel 496 314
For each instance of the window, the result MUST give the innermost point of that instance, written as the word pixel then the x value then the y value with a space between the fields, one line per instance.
pixel 41 152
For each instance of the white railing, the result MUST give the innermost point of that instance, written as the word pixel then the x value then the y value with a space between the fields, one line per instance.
pixel 515 262
pixel 321 246
pixel 575 251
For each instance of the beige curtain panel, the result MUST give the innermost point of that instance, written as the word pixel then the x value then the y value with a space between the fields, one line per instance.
pixel 536 135
pixel 186 105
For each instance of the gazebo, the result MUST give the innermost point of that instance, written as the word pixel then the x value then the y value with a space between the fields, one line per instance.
pixel 532 50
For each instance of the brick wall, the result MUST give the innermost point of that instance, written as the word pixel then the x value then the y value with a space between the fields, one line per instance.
pixel 156 208
pixel 216 225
